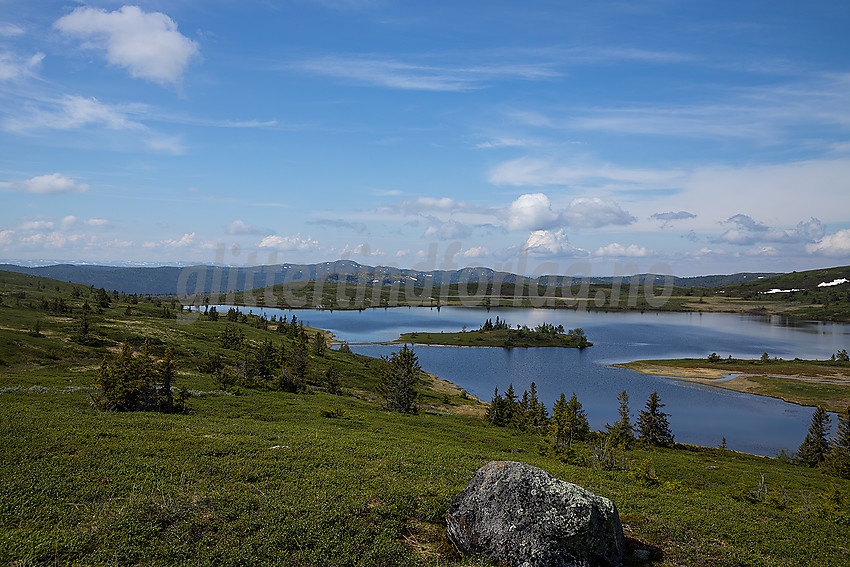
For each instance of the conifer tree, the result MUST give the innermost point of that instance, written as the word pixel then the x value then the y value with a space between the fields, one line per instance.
pixel 622 432
pixel 815 448
pixel 577 426
pixel 332 379
pixel 653 425
pixel 558 429
pixel 399 384
pixel 841 447
pixel 319 344
pixel 494 410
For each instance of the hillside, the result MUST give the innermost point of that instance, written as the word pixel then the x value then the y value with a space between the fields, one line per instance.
pixel 253 474
pixel 170 280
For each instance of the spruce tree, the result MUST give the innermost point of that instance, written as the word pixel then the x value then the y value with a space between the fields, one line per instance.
pixel 815 448
pixel 841 447
pixel 577 426
pixel 653 425
pixel 494 410
pixel 399 384
pixel 558 429
pixel 622 433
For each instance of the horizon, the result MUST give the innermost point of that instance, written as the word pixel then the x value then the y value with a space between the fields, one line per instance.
pixel 707 139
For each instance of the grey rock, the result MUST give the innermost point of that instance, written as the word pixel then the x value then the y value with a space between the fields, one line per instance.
pixel 525 517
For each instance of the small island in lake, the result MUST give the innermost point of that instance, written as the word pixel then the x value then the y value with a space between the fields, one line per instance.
pixel 499 334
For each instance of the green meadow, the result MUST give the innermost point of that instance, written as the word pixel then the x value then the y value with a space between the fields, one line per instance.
pixel 254 475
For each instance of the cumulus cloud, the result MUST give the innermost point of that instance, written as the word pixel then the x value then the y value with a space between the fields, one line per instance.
pixel 289 243
pixel 551 243
pixel 618 250
pixel 148 45
pixel 6 236
pixel 51 184
pixel 532 211
pixel 182 242
pixel 834 245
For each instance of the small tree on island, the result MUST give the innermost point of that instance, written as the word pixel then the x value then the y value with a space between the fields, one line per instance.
pixel 622 433
pixel 399 385
pixel 652 423
pixel 815 448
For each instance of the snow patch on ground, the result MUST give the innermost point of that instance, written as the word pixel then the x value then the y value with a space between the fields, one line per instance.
pixel 777 290
pixel 839 281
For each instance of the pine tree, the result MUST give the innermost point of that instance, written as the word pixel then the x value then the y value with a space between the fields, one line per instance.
pixel 622 432
pixel 815 448
pixel 653 425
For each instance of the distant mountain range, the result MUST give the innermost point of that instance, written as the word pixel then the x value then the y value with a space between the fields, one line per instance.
pixel 216 279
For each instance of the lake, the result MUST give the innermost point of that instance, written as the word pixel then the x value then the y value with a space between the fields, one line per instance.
pixel 701 415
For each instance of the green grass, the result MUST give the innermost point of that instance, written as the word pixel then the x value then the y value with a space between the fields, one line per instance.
pixel 273 478
pixel 804 382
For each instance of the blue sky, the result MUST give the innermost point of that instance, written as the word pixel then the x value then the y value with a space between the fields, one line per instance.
pixel 603 137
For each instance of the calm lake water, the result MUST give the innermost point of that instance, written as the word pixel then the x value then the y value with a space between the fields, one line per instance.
pixel 698 414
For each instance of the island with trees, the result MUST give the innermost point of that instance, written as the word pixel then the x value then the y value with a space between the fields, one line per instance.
pixel 497 333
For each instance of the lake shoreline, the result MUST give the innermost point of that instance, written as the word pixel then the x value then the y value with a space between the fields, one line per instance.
pixel 803 389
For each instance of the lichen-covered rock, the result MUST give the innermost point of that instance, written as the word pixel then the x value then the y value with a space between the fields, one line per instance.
pixel 525 517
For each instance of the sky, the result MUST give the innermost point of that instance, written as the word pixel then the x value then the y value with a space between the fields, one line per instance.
pixel 599 138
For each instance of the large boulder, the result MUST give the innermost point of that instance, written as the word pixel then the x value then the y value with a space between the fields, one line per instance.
pixel 525 517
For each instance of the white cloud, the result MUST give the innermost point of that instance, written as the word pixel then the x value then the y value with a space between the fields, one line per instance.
pixel 35 225
pixel 551 243
pixel 186 240
pixel 241 227
pixel 10 30
pixel 671 216
pixel 411 76
pixel 148 45
pixel 97 223
pixel 15 67
pixel 746 231
pixel 594 213
pixel 449 230
pixel 6 236
pixel 68 222
pixel 536 172
pixel 293 243
pixel 618 250
pixel 835 245
pixel 503 143
pixel 52 240
pixel 51 184
pixel 476 252
pixel 532 211
pixel 73 111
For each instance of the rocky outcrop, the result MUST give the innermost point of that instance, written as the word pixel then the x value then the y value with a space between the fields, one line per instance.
pixel 523 516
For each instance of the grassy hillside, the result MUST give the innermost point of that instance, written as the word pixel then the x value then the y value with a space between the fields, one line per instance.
pixel 268 477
